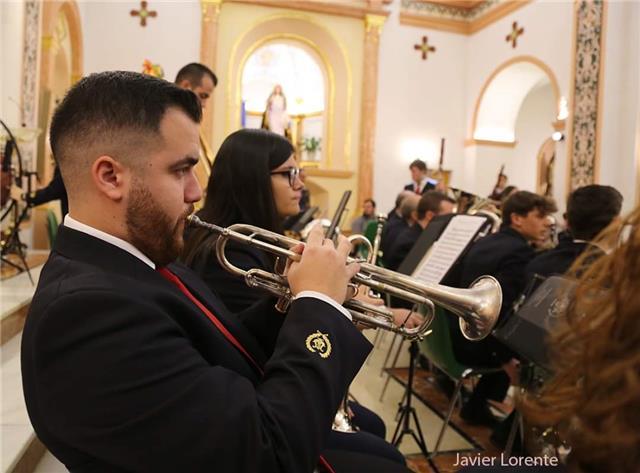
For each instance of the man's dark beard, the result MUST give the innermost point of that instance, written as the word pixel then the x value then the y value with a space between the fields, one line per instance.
pixel 151 230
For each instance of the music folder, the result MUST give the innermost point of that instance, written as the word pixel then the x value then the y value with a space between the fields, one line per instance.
pixel 442 243
pixel 526 330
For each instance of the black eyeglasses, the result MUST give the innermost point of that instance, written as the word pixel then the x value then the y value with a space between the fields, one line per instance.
pixel 291 173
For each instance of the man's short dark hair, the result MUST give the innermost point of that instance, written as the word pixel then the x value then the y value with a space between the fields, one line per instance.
pixel 194 72
pixel 419 164
pixel 590 209
pixel 371 201
pixel 523 202
pixel 113 112
pixel 430 201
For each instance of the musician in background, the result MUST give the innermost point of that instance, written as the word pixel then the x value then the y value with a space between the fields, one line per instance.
pixel 431 204
pixel 499 188
pixel 263 161
pixel 503 255
pixel 359 225
pixel 405 219
pixel 590 209
pixel 420 182
pixel 55 190
pixel 200 80
pixel 593 396
pixel 129 362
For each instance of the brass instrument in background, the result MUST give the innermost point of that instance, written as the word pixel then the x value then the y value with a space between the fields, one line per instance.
pixel 473 204
pixel 381 220
pixel 477 307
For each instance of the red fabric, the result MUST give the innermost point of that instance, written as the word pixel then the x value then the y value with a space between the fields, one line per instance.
pixel 169 276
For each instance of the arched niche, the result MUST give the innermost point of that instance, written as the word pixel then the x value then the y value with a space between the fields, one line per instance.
pixel 300 72
pixel 501 97
pixel 545 164
pixel 60 66
pixel 300 30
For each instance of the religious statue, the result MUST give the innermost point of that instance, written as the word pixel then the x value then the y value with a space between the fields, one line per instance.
pixel 276 118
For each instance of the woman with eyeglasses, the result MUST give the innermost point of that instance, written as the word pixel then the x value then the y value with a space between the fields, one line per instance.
pixel 255 180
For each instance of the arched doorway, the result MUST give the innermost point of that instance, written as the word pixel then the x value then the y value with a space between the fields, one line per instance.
pixel 518 109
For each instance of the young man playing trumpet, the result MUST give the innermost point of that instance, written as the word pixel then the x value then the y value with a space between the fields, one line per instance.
pixel 129 362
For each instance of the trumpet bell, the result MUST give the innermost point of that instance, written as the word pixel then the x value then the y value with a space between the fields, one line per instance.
pixel 478 322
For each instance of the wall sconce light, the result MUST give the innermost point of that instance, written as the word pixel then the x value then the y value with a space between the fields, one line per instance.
pixel 557 136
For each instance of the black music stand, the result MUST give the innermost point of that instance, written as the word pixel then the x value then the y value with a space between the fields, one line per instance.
pixel 407 411
pixel 13 244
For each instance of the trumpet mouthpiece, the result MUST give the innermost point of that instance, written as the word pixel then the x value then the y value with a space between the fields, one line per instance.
pixel 194 220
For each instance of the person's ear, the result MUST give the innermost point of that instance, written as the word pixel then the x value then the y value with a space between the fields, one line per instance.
pixel 185 84
pixel 110 177
pixel 516 220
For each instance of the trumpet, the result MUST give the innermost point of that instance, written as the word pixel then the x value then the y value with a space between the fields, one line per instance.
pixel 477 307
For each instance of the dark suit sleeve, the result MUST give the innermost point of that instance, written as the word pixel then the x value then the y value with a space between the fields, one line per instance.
pixel 120 381
pixel 54 191
pixel 232 289
pixel 512 277
pixel 264 322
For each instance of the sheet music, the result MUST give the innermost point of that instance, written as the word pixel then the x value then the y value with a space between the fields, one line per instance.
pixel 444 252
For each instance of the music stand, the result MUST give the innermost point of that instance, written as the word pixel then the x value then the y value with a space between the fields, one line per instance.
pixel 407 411
pixel 13 244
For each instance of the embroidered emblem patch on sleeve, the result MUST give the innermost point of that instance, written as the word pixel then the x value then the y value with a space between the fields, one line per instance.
pixel 319 343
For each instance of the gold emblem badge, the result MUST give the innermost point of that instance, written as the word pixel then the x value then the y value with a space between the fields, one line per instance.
pixel 319 343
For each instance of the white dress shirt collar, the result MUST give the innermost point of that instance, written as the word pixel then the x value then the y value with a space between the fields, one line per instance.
pixel 72 223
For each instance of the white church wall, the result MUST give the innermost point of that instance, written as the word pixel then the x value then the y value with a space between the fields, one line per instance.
pixel 115 40
pixel 418 103
pixel 548 37
pixel 533 128
pixel 11 44
pixel 618 166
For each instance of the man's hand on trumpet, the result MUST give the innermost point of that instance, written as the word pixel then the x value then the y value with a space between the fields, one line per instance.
pixel 322 267
pixel 407 317
pixel 401 317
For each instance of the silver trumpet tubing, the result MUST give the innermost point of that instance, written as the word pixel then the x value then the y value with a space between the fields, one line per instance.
pixel 381 220
pixel 477 307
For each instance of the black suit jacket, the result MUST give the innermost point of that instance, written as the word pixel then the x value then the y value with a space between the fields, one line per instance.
pixel 503 255
pixel 121 372
pixel 395 225
pixel 402 245
pixel 55 190
pixel 427 187
pixel 557 260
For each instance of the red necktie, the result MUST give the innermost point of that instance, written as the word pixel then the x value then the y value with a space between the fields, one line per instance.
pixel 169 276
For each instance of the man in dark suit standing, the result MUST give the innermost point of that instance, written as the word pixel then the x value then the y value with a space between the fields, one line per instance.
pixel 420 182
pixel 503 255
pixel 129 362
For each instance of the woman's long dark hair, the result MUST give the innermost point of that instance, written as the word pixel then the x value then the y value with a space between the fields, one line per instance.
pixel 239 188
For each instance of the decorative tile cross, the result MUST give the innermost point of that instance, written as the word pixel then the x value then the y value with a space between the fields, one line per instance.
pixel 513 36
pixel 424 47
pixel 143 13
